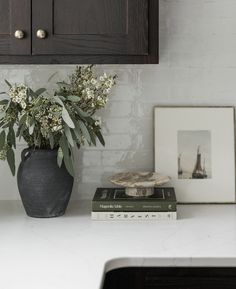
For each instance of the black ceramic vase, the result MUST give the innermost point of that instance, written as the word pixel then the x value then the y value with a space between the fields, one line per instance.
pixel 45 189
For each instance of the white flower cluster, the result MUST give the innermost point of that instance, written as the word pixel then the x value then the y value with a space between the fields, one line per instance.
pixel 98 121
pixel 18 94
pixel 92 90
pixel 96 92
pixel 88 93
pixel 50 119
pixel 108 83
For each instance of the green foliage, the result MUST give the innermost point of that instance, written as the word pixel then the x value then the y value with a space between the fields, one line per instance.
pixel 67 119
pixel 62 121
pixel 60 157
pixel 11 160
pixel 2 139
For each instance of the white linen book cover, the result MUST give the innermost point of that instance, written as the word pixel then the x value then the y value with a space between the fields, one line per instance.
pixel 133 216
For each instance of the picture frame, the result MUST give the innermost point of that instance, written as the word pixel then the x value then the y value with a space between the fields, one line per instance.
pixel 195 146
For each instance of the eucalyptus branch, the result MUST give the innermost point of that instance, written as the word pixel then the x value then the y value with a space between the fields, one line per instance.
pixel 62 120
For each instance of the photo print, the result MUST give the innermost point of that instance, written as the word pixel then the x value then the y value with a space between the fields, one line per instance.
pixel 194 154
pixel 195 147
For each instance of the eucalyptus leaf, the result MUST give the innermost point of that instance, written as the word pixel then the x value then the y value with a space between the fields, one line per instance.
pixel 23 119
pixel 67 156
pixel 58 100
pixel 71 156
pixel 7 105
pixel 92 136
pixel 62 97
pixel 37 139
pixel 11 161
pixel 59 157
pixel 6 125
pixel 67 119
pixel 8 83
pixel 69 135
pixel 77 132
pixel 28 121
pixel 63 84
pixel 40 91
pixel 90 120
pixel 100 137
pixel 82 113
pixel 20 131
pixel 52 76
pixel 51 140
pixel 4 102
pixel 75 139
pixel 84 131
pixel 11 138
pixel 73 98
pixel 32 93
pixel 31 128
pixel 2 139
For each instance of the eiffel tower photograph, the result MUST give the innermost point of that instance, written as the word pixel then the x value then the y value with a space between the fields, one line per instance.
pixel 194 155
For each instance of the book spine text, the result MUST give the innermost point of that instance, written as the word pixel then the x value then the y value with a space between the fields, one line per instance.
pixel 133 206
pixel 132 216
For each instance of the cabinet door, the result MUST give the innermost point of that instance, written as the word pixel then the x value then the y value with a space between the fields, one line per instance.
pixel 15 15
pixel 90 27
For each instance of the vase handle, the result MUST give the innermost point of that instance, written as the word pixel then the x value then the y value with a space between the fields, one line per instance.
pixel 25 154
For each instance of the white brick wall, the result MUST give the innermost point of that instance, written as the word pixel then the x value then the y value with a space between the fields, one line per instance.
pixel 197 67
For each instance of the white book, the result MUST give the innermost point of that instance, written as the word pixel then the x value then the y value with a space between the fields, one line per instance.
pixel 130 216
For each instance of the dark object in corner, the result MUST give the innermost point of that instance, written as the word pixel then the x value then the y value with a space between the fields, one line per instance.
pixel 171 278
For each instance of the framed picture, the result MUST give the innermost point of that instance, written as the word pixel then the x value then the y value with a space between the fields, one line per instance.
pixel 195 146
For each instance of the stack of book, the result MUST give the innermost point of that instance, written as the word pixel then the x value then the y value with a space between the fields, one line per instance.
pixel 114 204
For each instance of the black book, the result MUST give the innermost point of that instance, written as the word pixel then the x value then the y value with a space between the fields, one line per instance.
pixel 116 200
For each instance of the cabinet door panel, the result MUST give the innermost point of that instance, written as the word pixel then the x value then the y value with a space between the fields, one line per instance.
pixel 15 15
pixel 91 27
pixel 4 17
pixel 88 18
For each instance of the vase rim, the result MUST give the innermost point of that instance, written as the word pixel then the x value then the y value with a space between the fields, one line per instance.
pixel 41 150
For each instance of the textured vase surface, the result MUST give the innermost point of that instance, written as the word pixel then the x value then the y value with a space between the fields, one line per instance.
pixel 45 189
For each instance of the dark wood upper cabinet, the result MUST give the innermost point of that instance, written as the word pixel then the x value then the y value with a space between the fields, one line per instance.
pixel 91 27
pixel 14 19
pixel 79 31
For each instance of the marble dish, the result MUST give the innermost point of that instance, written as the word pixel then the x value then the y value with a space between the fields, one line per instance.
pixel 139 184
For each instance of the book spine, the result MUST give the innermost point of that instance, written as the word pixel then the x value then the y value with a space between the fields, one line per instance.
pixel 133 216
pixel 125 206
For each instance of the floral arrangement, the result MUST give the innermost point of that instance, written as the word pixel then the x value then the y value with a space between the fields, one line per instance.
pixel 61 121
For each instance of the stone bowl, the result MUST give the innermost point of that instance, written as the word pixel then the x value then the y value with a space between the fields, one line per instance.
pixel 139 184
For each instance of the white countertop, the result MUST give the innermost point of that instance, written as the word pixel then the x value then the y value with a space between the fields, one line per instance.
pixel 74 252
